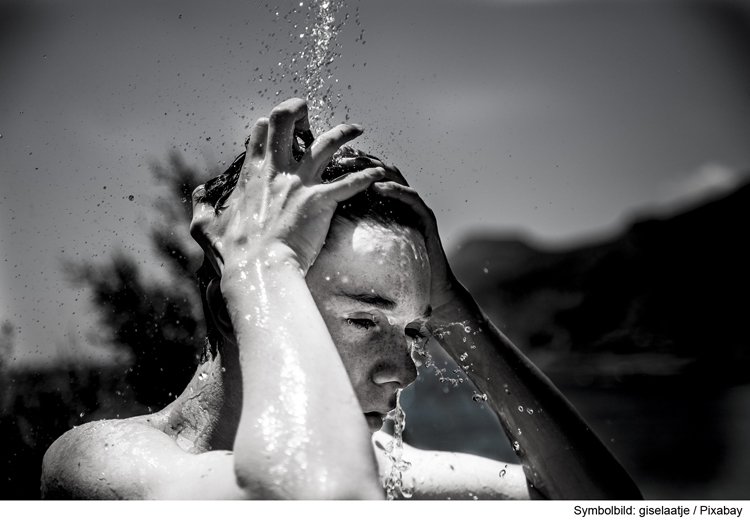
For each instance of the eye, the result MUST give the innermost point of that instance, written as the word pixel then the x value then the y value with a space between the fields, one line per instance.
pixel 361 323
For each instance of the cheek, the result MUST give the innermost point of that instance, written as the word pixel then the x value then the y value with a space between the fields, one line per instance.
pixel 355 349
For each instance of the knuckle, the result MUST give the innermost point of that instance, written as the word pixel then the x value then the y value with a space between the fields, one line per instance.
pixel 287 110
pixel 199 192
pixel 280 114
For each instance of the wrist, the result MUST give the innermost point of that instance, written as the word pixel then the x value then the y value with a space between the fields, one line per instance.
pixel 244 272
pixel 458 304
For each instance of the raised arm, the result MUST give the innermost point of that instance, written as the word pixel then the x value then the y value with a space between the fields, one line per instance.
pixel 561 457
pixel 302 433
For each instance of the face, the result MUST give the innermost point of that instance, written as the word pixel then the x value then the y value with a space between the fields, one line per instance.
pixel 372 286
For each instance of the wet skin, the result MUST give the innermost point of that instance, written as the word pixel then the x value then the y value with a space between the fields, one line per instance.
pixel 315 334
pixel 371 284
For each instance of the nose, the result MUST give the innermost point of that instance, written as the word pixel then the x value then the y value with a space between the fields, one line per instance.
pixel 396 365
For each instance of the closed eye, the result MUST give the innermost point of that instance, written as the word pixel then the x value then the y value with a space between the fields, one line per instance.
pixel 361 323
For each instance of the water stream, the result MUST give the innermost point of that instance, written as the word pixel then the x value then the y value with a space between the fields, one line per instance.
pixel 313 28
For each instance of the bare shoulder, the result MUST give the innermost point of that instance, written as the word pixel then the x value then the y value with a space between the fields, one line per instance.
pixel 128 459
pixel 451 475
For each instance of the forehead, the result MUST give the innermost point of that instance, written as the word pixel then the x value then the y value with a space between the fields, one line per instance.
pixel 368 258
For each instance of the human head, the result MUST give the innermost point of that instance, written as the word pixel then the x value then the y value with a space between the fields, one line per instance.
pixel 370 282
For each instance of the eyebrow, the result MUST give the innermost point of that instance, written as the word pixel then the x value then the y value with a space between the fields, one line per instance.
pixel 371 299
pixel 376 300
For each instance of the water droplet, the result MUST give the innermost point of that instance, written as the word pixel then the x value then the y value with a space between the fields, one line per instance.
pixel 485 270
pixel 81 415
pixel 531 412
pixel 131 198
pixel 520 408
pixel 479 397
pixel 502 473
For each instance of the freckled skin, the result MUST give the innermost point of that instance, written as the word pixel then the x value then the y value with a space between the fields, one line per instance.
pixel 392 262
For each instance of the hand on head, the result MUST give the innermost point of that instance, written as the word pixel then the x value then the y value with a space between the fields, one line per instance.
pixel 279 204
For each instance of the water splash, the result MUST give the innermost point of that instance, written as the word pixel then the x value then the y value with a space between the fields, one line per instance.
pixel 479 397
pixel 314 27
pixel 394 482
pixel 419 352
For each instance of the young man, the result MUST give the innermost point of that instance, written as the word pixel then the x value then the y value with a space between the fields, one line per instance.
pixel 316 293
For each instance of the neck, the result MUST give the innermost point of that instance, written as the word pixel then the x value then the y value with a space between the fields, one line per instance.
pixel 206 415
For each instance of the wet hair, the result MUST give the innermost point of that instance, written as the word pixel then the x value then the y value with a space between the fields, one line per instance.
pixel 364 206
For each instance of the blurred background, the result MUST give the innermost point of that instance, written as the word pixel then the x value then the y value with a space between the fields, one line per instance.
pixel 587 161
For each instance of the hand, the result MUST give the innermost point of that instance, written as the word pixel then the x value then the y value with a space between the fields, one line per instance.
pixel 443 288
pixel 279 207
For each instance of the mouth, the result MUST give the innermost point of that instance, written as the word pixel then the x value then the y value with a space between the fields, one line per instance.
pixel 374 421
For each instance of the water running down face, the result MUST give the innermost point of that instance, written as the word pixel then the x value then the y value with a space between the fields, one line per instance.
pixel 371 284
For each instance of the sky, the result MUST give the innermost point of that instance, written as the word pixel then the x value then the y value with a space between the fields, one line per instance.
pixel 555 120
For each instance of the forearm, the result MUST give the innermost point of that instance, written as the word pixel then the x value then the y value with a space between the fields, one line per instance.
pixel 302 433
pixel 561 456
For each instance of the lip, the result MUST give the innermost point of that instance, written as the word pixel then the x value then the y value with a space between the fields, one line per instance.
pixel 374 421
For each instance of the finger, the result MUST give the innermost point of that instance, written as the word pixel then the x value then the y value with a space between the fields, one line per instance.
pixel 256 142
pixel 349 185
pixel 364 162
pixel 198 194
pixel 289 115
pixel 320 152
pixel 408 196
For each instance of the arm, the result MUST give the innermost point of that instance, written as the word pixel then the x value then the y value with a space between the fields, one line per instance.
pixel 561 457
pixel 301 432
pixel 439 475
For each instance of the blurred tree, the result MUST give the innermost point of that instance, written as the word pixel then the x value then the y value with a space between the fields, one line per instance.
pixel 151 320
pixel 155 318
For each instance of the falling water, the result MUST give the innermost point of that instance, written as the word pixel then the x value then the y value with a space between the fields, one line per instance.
pixel 308 64
pixel 317 56
pixel 394 482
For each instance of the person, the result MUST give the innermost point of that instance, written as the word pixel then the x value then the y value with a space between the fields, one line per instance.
pixel 321 281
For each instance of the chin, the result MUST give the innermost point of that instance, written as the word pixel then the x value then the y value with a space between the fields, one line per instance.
pixel 374 421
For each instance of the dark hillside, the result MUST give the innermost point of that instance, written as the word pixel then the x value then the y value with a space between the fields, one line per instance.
pixel 667 297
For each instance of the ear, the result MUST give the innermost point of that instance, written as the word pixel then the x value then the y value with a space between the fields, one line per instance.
pixel 218 309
